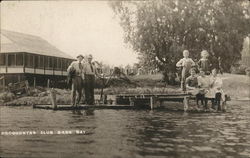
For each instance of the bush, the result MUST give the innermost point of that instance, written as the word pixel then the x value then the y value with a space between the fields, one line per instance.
pixel 241 69
pixel 6 96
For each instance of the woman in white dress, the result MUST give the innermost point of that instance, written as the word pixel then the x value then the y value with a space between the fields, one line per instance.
pixel 215 91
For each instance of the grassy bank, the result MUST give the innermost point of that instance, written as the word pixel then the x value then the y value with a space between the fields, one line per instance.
pixel 237 86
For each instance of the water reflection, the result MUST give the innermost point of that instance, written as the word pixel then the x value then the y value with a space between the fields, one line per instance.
pixel 127 133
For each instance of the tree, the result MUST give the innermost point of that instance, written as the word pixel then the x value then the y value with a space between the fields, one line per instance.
pixel 160 30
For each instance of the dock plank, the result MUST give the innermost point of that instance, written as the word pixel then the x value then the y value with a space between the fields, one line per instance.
pixel 83 107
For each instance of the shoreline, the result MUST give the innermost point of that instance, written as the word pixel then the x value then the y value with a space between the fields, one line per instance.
pixel 148 84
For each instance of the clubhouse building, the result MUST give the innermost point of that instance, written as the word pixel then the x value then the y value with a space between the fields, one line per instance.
pixel 31 58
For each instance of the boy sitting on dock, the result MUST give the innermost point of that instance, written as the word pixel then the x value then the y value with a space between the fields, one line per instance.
pixel 186 63
pixel 192 86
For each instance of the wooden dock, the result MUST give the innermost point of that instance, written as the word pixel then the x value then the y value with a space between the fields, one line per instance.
pixel 127 101
pixel 83 107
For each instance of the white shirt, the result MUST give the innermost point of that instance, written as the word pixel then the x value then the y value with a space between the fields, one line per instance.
pixel 216 87
pixel 185 62
pixel 216 83
pixel 79 67
pixel 203 82
pixel 88 70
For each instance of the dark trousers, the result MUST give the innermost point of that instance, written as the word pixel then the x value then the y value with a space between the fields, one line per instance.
pixel 77 84
pixel 216 101
pixel 89 89
pixel 200 97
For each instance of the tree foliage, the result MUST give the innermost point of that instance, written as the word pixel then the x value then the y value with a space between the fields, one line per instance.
pixel 160 30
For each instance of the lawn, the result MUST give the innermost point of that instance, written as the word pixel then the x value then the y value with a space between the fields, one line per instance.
pixel 237 86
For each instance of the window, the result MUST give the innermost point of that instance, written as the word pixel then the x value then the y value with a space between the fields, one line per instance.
pixel 64 65
pixel 46 62
pixel 41 62
pixel 11 60
pixel 29 60
pixel 19 59
pixel 36 61
pixel 50 62
pixel 55 62
pixel 2 59
pixel 59 64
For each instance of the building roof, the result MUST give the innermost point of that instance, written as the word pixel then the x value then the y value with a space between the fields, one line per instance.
pixel 20 42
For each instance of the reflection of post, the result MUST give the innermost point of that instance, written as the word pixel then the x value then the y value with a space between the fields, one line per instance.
pixel 34 82
pixel 53 98
pixel 4 81
pixel 48 81
pixel 152 102
pixel 185 103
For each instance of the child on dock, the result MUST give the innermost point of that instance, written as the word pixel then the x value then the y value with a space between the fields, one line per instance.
pixel 203 85
pixel 204 63
pixel 215 90
pixel 186 63
pixel 192 82
pixel 192 86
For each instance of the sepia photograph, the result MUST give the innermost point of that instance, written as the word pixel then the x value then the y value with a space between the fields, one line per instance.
pixel 125 79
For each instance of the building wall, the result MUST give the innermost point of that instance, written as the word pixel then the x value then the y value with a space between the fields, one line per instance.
pixel 20 66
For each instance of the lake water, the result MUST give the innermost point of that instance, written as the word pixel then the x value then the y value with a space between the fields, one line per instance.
pixel 126 133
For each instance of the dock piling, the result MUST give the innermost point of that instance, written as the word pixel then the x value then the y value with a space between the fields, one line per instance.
pixel 154 102
pixel 131 101
pixel 53 98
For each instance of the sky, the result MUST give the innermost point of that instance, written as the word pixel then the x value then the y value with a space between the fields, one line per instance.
pixel 74 27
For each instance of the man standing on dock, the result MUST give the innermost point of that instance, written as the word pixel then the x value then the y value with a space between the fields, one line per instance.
pixel 76 72
pixel 90 72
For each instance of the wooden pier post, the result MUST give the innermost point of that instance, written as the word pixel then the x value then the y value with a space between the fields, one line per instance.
pixel 53 98
pixel 131 101
pixel 154 102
